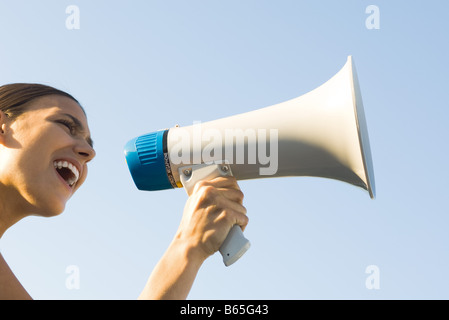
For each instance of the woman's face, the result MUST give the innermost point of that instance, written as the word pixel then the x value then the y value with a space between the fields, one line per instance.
pixel 44 154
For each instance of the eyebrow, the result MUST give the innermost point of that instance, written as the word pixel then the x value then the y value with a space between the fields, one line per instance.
pixel 80 127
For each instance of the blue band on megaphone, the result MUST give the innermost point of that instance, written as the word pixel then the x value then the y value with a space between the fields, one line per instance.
pixel 146 161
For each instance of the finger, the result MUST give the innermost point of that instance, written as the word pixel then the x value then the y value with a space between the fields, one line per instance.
pixel 233 217
pixel 226 187
pixel 224 182
pixel 223 203
pixel 242 220
pixel 232 194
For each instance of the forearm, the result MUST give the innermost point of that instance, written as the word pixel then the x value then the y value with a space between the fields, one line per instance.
pixel 210 212
pixel 173 276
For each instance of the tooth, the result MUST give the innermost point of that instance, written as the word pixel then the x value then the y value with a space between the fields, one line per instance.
pixel 65 164
pixel 74 170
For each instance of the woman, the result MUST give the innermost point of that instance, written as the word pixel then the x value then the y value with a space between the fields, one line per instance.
pixel 45 144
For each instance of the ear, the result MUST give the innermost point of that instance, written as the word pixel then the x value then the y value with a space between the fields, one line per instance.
pixel 3 126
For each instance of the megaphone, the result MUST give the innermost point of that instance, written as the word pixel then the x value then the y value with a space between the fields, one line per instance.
pixel 322 133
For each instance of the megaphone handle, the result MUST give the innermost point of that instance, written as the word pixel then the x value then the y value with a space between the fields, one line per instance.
pixel 235 244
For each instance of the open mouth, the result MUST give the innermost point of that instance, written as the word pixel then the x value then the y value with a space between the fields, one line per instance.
pixel 67 171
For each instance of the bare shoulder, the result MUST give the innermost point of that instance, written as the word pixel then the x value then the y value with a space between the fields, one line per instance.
pixel 10 287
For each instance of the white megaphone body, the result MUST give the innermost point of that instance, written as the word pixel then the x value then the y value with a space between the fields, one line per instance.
pixel 322 133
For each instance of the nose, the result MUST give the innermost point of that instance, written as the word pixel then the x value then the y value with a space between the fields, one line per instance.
pixel 85 151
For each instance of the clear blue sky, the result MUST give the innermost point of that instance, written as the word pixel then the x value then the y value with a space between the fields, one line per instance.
pixel 138 66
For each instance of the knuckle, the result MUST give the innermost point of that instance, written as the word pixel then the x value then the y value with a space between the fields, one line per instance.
pixel 200 186
pixel 204 188
pixel 202 183
pixel 240 194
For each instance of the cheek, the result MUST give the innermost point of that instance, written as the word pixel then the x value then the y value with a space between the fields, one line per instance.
pixel 37 141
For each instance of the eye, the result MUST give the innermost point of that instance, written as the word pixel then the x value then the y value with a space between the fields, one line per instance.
pixel 68 124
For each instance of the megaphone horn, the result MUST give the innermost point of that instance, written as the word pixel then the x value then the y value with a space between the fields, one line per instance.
pixel 322 133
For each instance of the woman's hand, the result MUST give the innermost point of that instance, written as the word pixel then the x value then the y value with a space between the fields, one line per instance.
pixel 213 208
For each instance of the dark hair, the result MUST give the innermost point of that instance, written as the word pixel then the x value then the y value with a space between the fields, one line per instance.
pixel 15 96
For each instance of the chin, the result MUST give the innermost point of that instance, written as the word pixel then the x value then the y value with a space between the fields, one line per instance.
pixel 50 211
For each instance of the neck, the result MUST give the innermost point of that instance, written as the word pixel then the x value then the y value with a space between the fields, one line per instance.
pixel 10 212
pixel 3 229
pixel 7 220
